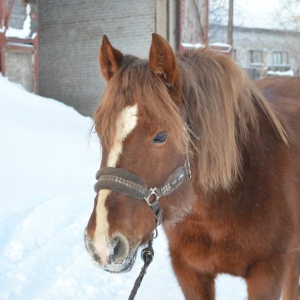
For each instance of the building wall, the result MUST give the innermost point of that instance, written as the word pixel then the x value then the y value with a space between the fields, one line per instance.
pixel 70 32
pixel 19 68
pixel 267 41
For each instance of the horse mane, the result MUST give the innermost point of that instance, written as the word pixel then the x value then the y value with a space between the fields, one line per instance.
pixel 221 104
pixel 222 107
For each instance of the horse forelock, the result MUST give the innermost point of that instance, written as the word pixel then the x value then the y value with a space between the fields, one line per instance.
pixel 135 84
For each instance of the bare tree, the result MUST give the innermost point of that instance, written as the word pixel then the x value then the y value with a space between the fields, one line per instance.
pixel 218 16
pixel 288 15
pixel 218 10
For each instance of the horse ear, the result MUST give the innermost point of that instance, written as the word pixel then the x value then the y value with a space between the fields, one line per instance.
pixel 110 59
pixel 162 60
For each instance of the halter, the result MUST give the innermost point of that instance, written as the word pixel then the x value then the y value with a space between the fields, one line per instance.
pixel 129 184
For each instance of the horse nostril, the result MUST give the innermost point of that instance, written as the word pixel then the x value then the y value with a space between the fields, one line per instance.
pixel 120 249
pixel 107 253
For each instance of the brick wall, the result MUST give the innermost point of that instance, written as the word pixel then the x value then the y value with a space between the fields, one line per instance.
pixel 69 36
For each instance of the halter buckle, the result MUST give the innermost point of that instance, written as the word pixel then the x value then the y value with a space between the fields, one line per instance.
pixel 153 191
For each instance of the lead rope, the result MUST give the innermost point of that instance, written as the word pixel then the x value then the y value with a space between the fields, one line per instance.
pixel 147 256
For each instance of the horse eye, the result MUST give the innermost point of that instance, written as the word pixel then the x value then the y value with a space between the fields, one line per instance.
pixel 160 138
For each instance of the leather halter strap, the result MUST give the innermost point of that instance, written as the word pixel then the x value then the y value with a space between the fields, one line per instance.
pixel 129 184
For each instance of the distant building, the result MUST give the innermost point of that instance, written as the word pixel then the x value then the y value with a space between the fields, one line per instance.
pixel 51 47
pixel 70 34
pixel 265 42
pixel 71 30
pixel 19 42
pixel 64 63
pixel 263 51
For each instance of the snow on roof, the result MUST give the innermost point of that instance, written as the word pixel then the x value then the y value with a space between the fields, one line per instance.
pixel 20 33
pixel 189 45
pixel 222 47
pixel 281 73
pixel 218 44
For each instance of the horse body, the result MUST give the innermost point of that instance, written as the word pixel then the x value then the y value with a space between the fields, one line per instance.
pixel 235 232
pixel 240 212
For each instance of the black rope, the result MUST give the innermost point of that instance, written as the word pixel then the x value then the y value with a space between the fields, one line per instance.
pixel 147 256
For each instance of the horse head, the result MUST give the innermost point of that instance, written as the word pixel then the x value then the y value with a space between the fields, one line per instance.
pixel 141 123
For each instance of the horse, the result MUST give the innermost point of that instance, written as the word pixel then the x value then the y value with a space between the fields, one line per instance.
pixel 222 157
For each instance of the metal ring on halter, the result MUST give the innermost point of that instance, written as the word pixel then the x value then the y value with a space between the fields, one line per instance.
pixel 155 233
pixel 187 164
pixel 153 191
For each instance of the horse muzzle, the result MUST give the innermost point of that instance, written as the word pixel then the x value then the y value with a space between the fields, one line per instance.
pixel 115 255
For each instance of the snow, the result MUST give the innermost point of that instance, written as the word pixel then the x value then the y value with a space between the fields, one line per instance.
pixel 220 47
pixel 189 45
pixel 48 159
pixel 281 73
pixel 25 31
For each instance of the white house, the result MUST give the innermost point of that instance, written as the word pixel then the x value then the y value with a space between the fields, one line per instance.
pixel 261 45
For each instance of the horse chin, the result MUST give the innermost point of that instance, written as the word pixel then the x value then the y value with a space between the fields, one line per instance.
pixel 123 266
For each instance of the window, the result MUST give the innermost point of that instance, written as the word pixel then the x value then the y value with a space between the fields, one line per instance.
pixel 280 58
pixel 256 57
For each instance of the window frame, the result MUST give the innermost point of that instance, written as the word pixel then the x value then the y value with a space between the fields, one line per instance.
pixel 254 54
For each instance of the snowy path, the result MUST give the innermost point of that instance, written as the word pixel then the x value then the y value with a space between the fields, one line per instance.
pixel 47 166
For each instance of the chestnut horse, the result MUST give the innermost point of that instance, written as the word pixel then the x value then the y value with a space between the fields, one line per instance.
pixel 239 213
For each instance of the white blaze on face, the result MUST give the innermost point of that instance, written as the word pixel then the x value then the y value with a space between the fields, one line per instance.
pixel 126 122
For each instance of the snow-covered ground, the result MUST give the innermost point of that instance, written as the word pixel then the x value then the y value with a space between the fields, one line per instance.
pixel 47 163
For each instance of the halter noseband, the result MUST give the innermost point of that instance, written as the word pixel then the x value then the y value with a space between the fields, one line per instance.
pixel 129 184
